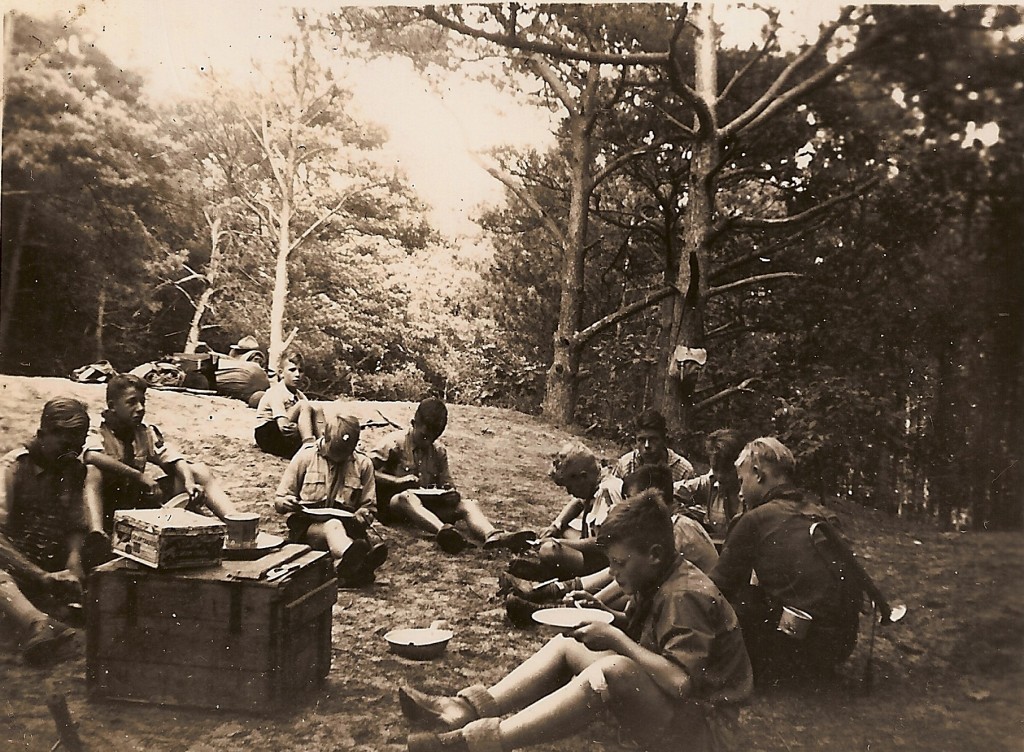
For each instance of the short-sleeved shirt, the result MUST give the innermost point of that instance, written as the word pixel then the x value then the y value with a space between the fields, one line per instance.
pixel 694 544
pixel 397 455
pixel 312 477
pixel 774 540
pixel 707 492
pixel 678 465
pixel 148 445
pixel 690 623
pixel 41 507
pixel 595 510
pixel 276 402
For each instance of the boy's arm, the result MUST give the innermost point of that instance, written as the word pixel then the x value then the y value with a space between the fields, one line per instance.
pixel 107 464
pixel 670 677
pixel 569 512
pixel 288 490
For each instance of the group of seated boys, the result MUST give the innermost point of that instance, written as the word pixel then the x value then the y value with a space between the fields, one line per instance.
pixel 691 628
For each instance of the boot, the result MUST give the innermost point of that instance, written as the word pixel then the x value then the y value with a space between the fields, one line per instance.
pixel 452 712
pixel 450 540
pixel 483 735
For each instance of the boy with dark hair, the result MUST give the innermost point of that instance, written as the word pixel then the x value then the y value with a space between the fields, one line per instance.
pixel 672 673
pixel 717 491
pixel 331 474
pixel 120 450
pixel 285 419
pixel 416 485
pixel 651 439
pixel 802 562
pixel 42 525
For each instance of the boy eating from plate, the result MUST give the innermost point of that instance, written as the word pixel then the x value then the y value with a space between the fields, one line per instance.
pixel 672 673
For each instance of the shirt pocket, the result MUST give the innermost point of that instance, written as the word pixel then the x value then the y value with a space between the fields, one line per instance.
pixel 314 487
pixel 350 496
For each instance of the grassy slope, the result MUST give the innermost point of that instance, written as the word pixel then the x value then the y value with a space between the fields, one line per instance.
pixel 947 678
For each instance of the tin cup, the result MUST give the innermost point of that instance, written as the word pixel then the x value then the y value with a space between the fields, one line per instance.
pixel 242 531
pixel 795 623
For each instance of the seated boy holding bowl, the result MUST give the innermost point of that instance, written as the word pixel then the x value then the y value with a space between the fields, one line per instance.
pixel 672 672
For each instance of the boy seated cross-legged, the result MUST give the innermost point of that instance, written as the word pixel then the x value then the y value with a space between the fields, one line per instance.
pixel 118 455
pixel 331 474
pixel 415 485
pixel 672 673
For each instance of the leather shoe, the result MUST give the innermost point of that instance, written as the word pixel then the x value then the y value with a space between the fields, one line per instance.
pixel 517 541
pixel 520 611
pixel 432 710
pixel 450 540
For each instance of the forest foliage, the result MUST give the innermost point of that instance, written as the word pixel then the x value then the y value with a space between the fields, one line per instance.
pixel 882 338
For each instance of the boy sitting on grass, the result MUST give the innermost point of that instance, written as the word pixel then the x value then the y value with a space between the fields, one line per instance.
pixel 331 474
pixel 600 589
pixel 285 419
pixel 42 524
pixel 414 459
pixel 118 453
pixel 568 547
pixel 672 673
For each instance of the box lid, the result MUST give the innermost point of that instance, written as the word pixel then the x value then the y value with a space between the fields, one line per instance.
pixel 180 521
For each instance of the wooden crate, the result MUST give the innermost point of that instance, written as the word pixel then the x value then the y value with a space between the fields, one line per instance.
pixel 222 637
pixel 168 538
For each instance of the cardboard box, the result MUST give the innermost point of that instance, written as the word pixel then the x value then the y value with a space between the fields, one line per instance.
pixel 168 538
pixel 222 637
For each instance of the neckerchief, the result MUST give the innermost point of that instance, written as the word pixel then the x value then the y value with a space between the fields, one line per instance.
pixel 643 601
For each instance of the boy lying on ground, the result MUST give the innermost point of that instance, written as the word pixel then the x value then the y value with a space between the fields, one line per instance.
pixel 414 459
pixel 118 453
pixel 672 675
pixel 42 524
pixel 330 474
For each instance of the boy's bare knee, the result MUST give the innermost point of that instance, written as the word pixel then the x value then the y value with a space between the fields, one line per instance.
pixel 613 675
pixel 549 549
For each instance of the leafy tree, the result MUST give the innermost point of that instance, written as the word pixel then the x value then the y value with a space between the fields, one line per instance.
pixel 89 205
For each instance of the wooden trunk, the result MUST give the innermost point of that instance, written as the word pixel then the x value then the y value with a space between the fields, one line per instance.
pixel 221 637
pixel 168 538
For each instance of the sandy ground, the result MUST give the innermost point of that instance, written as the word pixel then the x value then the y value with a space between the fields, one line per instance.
pixel 946 678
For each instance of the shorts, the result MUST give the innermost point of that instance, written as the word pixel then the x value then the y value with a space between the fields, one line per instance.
pixel 270 439
pixel 298 525
pixel 445 507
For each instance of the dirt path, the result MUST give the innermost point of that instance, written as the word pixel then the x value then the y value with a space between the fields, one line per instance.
pixel 947 678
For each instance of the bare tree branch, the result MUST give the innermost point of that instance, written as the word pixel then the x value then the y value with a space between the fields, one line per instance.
pixel 772 223
pixel 558 51
pixel 748 281
pixel 743 386
pixel 557 85
pixel 620 160
pixel 770 94
pixel 524 195
pixel 738 75
pixel 309 230
pixel 584 335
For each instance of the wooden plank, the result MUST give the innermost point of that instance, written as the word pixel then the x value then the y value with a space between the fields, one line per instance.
pixel 199 686
pixel 314 602
pixel 182 644
pixel 175 599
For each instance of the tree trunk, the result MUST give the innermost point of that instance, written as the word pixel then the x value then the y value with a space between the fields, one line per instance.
pixel 280 295
pixel 195 328
pixel 562 389
pixel 687 327
pixel 101 315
